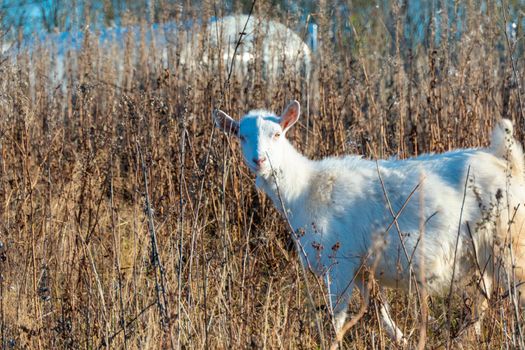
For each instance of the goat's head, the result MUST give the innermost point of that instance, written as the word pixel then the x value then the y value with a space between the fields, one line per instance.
pixel 262 135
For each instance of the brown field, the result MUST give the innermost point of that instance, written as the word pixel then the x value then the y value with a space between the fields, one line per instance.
pixel 128 221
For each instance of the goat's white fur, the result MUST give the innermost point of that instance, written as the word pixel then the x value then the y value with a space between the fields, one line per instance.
pixel 340 202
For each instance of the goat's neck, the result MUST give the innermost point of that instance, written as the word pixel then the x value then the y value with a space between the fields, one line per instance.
pixel 289 178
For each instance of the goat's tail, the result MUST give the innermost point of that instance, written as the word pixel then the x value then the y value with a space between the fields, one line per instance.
pixel 503 145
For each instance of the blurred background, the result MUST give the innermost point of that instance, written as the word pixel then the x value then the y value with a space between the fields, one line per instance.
pixel 128 221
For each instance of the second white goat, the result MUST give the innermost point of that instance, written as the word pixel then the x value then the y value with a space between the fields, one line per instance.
pixel 350 213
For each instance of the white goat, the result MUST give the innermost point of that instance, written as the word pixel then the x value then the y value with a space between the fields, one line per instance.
pixel 277 46
pixel 366 213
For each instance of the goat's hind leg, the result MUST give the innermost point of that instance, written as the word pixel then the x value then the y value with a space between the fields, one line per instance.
pixel 481 301
pixel 340 300
pixel 387 321
pixel 340 308
pixel 390 326
pixel 484 285
pixel 340 313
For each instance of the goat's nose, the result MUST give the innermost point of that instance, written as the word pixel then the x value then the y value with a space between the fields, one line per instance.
pixel 259 161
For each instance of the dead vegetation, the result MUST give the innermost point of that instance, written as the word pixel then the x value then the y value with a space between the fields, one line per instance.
pixel 128 221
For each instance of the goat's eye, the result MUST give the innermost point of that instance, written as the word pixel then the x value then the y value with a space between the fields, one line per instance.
pixel 277 135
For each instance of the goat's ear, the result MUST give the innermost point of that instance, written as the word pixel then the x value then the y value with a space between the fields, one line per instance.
pixel 290 115
pixel 226 123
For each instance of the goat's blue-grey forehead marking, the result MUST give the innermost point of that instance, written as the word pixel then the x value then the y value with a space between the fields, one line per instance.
pixel 251 123
pixel 273 118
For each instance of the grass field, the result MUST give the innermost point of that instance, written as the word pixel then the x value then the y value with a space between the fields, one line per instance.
pixel 128 221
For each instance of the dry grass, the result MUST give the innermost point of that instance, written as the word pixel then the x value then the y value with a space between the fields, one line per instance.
pixel 78 222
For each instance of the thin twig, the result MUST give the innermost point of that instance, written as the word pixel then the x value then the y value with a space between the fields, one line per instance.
pixel 116 244
pixel 182 206
pixel 398 229
pixel 422 278
pixel 160 288
pixel 128 324
pixel 364 305
pixel 515 71
pixel 481 271
pixel 232 64
pixel 449 298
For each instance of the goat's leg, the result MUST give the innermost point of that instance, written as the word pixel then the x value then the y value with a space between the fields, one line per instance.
pixel 481 300
pixel 340 315
pixel 384 309
pixel 484 286
pixel 390 326
pixel 519 259
pixel 340 291
pixel 340 298
pixel 479 309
